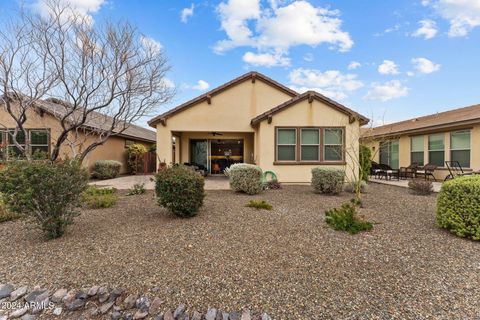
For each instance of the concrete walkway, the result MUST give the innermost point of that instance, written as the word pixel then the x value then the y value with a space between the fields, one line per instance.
pixel 403 183
pixel 127 182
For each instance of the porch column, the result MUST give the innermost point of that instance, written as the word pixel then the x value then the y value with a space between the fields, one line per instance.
pixel 164 145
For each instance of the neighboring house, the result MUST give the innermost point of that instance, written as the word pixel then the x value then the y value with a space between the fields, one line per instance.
pixel 44 128
pixel 452 135
pixel 254 119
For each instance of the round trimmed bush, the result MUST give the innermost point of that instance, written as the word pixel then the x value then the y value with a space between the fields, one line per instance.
pixel 106 169
pixel 180 189
pixel 245 178
pixel 328 180
pixel 458 207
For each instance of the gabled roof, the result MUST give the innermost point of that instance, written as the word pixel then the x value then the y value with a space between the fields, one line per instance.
pixel 97 121
pixel 253 76
pixel 456 117
pixel 310 95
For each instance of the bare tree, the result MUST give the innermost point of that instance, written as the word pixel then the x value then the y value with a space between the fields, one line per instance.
pixel 104 76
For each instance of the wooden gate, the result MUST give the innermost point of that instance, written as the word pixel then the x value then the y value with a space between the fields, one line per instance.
pixel 149 162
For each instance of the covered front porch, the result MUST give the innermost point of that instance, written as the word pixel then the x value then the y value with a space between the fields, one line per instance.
pixel 212 152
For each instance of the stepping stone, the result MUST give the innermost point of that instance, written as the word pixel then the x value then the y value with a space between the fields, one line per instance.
pixel 6 290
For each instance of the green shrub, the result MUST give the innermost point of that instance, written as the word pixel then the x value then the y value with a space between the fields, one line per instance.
pixel 106 169
pixel 329 181
pixel 47 192
pixel 346 219
pixel 245 178
pixel 365 162
pixel 97 198
pixel 261 204
pixel 135 154
pixel 351 187
pixel 420 186
pixel 458 207
pixel 136 189
pixel 5 214
pixel 180 190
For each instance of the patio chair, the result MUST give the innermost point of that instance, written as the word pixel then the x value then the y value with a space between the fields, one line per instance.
pixel 409 172
pixel 388 172
pixel 427 171
pixel 455 170
pixel 376 170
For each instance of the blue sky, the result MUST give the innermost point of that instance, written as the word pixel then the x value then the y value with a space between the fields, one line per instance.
pixel 389 60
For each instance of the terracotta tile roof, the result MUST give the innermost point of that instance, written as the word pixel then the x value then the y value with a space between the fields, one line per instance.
pixel 97 121
pixel 455 117
pixel 248 76
pixel 310 95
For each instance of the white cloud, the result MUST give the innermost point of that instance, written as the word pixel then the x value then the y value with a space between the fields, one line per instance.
pixel 388 30
pixel 425 66
pixel 201 85
pixel 463 15
pixel 266 59
pixel 309 57
pixel 388 67
pixel 331 83
pixel 81 7
pixel 354 65
pixel 386 91
pixel 276 27
pixel 187 13
pixel 151 44
pixel 427 30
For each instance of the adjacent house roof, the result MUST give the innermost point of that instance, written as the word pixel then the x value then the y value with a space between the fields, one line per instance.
pixel 311 95
pixel 456 117
pixel 253 76
pixel 98 121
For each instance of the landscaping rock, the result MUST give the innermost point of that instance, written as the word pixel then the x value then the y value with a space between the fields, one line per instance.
pixel 57 311
pixel 18 313
pixel 158 317
pixel 6 290
pixel 225 315
pixel 234 316
pixel 20 292
pixel 246 315
pixel 196 315
pixel 59 295
pixel 130 301
pixel 28 317
pixel 93 291
pixel 106 307
pixel 142 303
pixel 2 317
pixel 116 315
pixel 179 311
pixel 140 314
pixel 76 304
pixel 115 294
pixel 266 317
pixel 211 314
pixel 41 302
pixel 168 315
pixel 156 305
pixel 103 294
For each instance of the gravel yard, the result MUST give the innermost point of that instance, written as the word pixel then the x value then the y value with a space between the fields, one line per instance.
pixel 286 262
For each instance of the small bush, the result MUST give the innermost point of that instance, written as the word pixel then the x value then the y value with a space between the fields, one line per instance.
pixel 47 192
pixel 5 214
pixel 180 190
pixel 261 204
pixel 352 186
pixel 329 181
pixel 365 162
pixel 135 154
pixel 458 207
pixel 96 198
pixel 106 169
pixel 420 187
pixel 346 219
pixel 136 189
pixel 245 178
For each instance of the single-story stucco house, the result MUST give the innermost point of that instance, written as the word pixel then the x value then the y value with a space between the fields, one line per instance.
pixel 446 136
pixel 254 119
pixel 44 128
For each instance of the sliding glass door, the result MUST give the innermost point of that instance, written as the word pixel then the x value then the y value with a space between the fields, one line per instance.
pixel 389 153
pixel 199 154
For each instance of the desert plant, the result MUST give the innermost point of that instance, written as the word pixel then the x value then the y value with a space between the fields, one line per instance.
pixel 328 181
pixel 346 219
pixel 260 204
pixel 136 189
pixel 106 169
pixel 458 207
pixel 180 189
pixel 272 185
pixel 365 158
pixel 96 198
pixel 135 154
pixel 420 186
pixel 48 192
pixel 245 178
pixel 351 187
pixel 5 214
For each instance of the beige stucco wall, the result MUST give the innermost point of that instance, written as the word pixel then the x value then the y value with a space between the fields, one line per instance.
pixel 405 147
pixel 113 149
pixel 304 114
pixel 229 111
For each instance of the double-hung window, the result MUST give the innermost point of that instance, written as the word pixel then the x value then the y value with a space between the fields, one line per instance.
pixel 460 147
pixel 416 150
pixel 12 149
pixel 436 149
pixel 286 144
pixel 39 142
pixel 333 144
pixel 310 144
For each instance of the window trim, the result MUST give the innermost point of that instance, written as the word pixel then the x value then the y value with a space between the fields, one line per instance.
pixel 443 150
pixel 308 144
pixel 298 147
pixel 469 149
pixel 342 145
pixel 417 151
pixel 283 144
pixel 48 145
